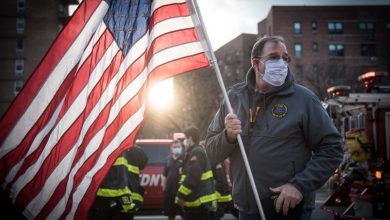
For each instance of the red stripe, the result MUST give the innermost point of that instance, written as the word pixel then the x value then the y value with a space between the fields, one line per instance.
pixel 68 139
pixel 85 71
pixel 46 66
pixel 10 159
pixel 179 66
pixel 169 11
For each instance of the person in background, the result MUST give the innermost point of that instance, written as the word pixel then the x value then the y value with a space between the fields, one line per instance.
pixel 196 193
pixel 171 178
pixel 120 194
pixel 224 197
pixel 282 124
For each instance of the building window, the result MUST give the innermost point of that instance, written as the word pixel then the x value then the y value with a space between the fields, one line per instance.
pixel 298 50
pixel 20 6
pixel 336 50
pixel 314 26
pixel 314 47
pixel 297 28
pixel 368 50
pixel 335 27
pixel 366 27
pixel 20 25
pixel 19 45
pixel 18 85
pixel 19 67
pixel 298 72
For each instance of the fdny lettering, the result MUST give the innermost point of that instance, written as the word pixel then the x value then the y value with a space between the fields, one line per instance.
pixel 151 179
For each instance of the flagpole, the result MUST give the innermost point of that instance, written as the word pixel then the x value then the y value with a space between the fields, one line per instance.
pixel 214 63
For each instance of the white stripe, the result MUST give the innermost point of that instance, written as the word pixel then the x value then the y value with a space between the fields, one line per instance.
pixel 127 128
pixel 88 50
pixel 160 3
pixel 69 117
pixel 170 25
pixel 35 143
pixel 174 53
pixel 53 82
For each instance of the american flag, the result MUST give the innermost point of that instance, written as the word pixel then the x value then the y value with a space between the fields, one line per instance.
pixel 85 102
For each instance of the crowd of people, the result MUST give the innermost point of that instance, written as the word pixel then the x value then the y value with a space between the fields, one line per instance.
pixel 291 143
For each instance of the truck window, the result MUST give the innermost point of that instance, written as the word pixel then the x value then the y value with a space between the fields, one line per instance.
pixel 157 153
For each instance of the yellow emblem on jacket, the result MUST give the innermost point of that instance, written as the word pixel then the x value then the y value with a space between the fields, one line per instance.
pixel 279 110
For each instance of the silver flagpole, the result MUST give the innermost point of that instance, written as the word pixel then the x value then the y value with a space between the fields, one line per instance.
pixel 214 63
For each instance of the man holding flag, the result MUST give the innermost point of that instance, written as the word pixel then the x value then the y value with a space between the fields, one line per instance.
pixel 84 103
pixel 292 145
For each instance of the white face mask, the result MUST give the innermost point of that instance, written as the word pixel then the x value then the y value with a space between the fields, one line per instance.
pixel 176 150
pixel 186 143
pixel 275 72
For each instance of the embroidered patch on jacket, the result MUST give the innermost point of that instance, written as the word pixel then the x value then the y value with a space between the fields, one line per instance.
pixel 279 110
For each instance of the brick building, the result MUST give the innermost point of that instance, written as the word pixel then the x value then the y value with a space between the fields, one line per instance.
pixel 26 32
pixel 234 58
pixel 332 44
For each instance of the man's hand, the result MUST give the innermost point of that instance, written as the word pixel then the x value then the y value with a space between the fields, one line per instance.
pixel 289 197
pixel 233 127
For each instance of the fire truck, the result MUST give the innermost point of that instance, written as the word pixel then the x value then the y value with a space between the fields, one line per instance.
pixel 359 185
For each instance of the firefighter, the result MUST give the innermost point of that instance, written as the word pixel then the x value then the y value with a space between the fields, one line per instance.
pixel 224 197
pixel 222 187
pixel 196 193
pixel 120 193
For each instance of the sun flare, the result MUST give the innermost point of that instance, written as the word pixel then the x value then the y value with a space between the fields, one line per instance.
pixel 161 94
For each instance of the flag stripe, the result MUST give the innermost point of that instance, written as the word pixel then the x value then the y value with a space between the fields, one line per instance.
pixel 65 124
pixel 102 112
pixel 43 70
pixel 68 158
pixel 80 79
pixel 184 48
pixel 53 82
pixel 126 129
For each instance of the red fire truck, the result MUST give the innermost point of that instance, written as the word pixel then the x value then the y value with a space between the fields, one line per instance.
pixel 360 183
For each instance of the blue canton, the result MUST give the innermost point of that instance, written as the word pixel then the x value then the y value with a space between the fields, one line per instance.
pixel 128 21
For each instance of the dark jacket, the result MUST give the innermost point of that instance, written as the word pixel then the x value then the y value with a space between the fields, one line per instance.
pixel 196 184
pixel 122 183
pixel 290 126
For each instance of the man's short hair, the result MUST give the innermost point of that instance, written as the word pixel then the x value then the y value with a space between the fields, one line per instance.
pixel 194 133
pixel 258 47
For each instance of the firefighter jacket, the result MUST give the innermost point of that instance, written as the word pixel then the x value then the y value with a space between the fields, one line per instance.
pixel 196 183
pixel 221 184
pixel 122 183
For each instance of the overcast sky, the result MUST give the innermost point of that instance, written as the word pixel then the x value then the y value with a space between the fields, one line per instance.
pixel 226 19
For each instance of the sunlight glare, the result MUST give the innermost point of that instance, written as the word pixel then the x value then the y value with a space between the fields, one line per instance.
pixel 161 94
